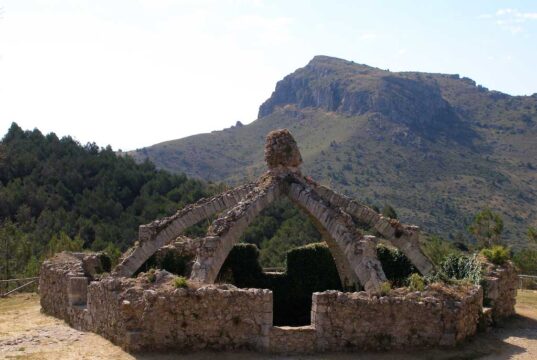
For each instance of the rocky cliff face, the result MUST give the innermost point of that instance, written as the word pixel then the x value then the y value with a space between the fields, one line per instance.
pixel 341 86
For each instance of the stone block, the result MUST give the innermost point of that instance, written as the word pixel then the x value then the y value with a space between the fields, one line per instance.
pixel 77 290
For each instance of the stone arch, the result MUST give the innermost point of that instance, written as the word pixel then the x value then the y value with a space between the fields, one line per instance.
pixel 155 235
pixel 336 215
pixel 225 232
pixel 354 255
pixel 404 237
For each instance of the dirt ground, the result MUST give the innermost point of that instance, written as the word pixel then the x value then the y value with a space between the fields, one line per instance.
pixel 25 333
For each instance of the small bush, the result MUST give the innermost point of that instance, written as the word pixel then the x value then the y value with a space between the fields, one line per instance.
pixel 395 264
pixel 460 267
pixel 385 288
pixel 180 282
pixel 106 262
pixel 416 282
pixel 497 254
pixel 151 276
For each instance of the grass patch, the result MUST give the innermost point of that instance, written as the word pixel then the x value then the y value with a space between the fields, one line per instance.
pixel 527 297
pixel 416 282
pixel 497 254
pixel 180 282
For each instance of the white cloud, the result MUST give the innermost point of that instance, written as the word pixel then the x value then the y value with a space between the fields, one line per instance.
pixel 511 20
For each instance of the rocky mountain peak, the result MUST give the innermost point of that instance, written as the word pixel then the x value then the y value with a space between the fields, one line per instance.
pixel 341 86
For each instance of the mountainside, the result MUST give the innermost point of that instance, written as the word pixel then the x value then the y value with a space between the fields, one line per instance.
pixel 56 194
pixel 437 147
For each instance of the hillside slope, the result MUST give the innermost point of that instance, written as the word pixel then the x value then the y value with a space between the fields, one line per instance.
pixel 56 194
pixel 437 147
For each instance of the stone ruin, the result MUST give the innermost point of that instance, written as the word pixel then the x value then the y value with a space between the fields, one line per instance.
pixel 142 315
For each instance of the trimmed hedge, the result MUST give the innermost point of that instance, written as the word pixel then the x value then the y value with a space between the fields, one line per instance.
pixel 241 267
pixel 310 268
pixel 171 261
pixel 396 265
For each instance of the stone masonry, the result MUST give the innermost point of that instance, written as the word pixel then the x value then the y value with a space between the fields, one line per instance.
pixel 144 314
pixel 335 215
pixel 499 285
pixel 154 312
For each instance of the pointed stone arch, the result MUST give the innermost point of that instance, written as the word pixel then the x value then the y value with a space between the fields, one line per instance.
pixel 335 215
pixel 354 254
pixel 404 237
pixel 158 233
pixel 225 231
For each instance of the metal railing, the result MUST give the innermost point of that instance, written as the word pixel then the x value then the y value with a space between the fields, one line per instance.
pixel 10 289
pixel 527 282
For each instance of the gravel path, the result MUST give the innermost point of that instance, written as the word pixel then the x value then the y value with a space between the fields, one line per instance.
pixel 25 333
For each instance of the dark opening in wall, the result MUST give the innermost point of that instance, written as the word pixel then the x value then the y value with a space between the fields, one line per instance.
pixel 170 259
pixel 310 269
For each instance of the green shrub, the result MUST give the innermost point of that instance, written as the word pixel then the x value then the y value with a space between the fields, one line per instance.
pixel 497 254
pixel 243 264
pixel 106 262
pixel 180 282
pixel 385 288
pixel 151 276
pixel 395 264
pixel 310 268
pixel 313 267
pixel 459 267
pixel 416 282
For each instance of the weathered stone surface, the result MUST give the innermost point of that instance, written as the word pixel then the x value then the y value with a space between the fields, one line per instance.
pixel 357 256
pixel 281 150
pixel 159 233
pixel 225 231
pixel 292 340
pixel 141 315
pixel 64 279
pixel 150 313
pixel 404 237
pixel 499 285
pixel 400 320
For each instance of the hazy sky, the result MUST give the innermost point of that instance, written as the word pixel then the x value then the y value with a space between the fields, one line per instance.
pixel 133 73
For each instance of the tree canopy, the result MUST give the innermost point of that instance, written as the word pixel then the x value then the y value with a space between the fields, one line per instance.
pixel 56 194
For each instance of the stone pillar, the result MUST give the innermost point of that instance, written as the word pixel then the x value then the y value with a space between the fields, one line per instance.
pixel 225 232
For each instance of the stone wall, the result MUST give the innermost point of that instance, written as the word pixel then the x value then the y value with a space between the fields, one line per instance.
pixel 499 285
pixel 293 340
pixel 150 313
pixel 415 319
pixel 63 282
pixel 154 317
